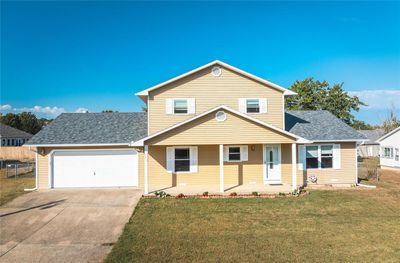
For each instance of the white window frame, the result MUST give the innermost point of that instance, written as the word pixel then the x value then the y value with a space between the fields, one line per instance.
pixel 262 105
pixel 390 152
pixel 243 156
pixel 259 105
pixel 179 113
pixel 181 148
pixel 190 106
pixel 320 156
pixel 396 154
pixel 229 154
pixel 193 159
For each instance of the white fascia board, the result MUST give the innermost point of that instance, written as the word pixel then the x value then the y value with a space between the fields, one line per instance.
pixel 298 138
pixel 77 145
pixel 388 134
pixel 286 92
pixel 349 140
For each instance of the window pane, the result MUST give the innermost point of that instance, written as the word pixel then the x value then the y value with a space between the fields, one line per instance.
pixel 253 106
pixel 312 151
pixel 234 149
pixel 182 165
pixel 182 154
pixel 326 150
pixel 180 106
pixel 326 162
pixel 312 163
pixel 234 153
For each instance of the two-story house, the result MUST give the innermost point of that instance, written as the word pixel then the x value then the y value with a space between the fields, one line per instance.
pixel 216 128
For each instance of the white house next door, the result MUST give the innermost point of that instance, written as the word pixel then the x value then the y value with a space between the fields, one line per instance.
pixel 272 164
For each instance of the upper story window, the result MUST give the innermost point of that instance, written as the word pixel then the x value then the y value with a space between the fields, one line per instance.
pixel 253 105
pixel 180 106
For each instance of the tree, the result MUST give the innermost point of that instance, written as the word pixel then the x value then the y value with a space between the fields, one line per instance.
pixel 317 95
pixel 144 108
pixel 392 121
pixel 25 121
pixel 360 125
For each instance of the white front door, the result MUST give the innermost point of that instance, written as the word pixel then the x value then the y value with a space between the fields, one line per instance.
pixel 272 163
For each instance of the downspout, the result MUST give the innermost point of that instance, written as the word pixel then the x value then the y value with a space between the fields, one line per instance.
pixel 36 173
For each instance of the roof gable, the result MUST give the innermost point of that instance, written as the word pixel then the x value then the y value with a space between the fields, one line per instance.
pixel 285 91
pixel 389 134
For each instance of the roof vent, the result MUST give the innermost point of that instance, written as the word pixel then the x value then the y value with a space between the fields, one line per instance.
pixel 216 71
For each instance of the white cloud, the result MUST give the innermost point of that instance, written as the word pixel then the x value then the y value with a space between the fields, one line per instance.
pixel 81 110
pixel 40 111
pixel 5 107
pixel 378 99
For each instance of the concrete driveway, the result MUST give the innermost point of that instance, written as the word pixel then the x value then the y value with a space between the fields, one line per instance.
pixel 64 225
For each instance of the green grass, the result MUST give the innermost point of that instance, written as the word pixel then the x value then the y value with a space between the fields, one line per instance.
pixel 11 188
pixel 325 226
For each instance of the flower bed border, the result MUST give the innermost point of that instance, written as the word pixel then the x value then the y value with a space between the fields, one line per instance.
pixel 217 196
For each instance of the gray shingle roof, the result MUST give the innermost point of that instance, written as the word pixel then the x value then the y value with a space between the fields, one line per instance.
pixel 372 135
pixel 93 128
pixel 319 126
pixel 10 132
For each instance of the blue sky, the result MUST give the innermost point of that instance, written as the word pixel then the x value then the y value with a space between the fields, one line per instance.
pixel 68 56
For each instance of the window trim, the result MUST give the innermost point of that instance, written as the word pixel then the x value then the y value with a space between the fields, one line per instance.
pixel 259 105
pixel 173 106
pixel 320 156
pixel 181 148
pixel 391 155
pixel 240 154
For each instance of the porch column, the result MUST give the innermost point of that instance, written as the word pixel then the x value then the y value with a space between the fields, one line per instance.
pixel 146 169
pixel 221 168
pixel 294 166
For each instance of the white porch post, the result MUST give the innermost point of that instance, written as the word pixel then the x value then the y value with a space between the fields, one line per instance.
pixel 146 169
pixel 294 166
pixel 221 168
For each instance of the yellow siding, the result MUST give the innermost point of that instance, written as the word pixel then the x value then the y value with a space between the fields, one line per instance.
pixel 345 175
pixel 243 173
pixel 209 92
pixel 206 130
pixel 43 163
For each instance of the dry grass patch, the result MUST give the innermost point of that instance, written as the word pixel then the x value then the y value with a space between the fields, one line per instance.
pixel 12 187
pixel 325 226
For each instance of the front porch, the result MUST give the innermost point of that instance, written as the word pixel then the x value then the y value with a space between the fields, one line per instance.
pixel 262 168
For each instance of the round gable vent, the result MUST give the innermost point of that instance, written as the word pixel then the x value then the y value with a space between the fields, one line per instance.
pixel 216 71
pixel 220 116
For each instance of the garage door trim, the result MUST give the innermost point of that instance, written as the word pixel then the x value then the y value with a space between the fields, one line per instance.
pixel 52 152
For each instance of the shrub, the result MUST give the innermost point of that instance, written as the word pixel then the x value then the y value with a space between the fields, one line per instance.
pixel 371 166
pixel 255 193
pixel 281 194
pixel 233 194
pixel 180 196
pixel 161 194
pixel 205 194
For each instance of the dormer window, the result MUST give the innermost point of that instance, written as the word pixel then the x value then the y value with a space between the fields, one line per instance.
pixel 180 106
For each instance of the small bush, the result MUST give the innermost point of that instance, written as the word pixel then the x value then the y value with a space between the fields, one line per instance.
pixel 371 165
pixel 180 196
pixel 205 194
pixel 281 194
pixel 233 194
pixel 255 193
pixel 161 194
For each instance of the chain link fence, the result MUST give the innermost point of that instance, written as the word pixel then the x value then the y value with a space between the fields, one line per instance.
pixel 16 168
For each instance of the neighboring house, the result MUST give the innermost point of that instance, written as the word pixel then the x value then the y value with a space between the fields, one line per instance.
pixel 10 136
pixel 390 147
pixel 216 128
pixel 370 148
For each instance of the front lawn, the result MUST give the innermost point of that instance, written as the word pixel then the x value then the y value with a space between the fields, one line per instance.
pixel 12 187
pixel 325 226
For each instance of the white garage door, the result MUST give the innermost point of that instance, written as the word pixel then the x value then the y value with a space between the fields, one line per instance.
pixel 93 168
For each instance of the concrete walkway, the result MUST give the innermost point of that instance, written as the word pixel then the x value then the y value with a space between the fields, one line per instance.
pixel 64 225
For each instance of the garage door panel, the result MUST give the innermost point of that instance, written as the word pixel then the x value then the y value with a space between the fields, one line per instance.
pixel 95 168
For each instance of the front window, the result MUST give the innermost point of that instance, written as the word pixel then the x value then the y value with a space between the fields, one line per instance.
pixel 234 153
pixel 182 160
pixel 388 152
pixel 253 105
pixel 312 156
pixel 180 106
pixel 326 156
